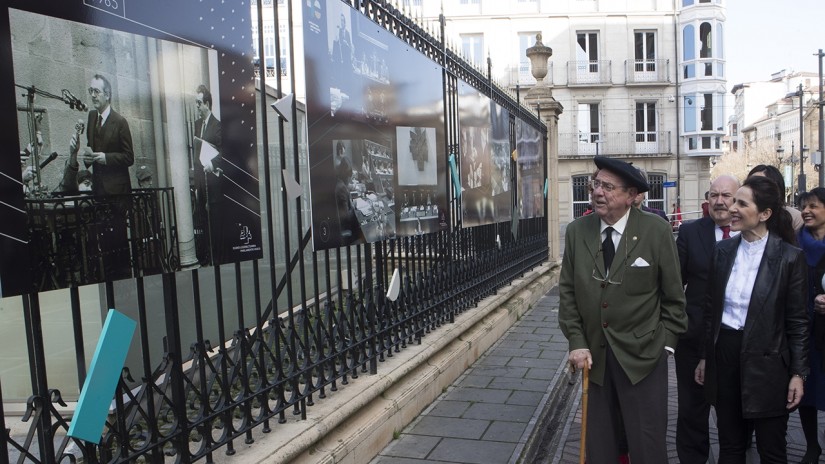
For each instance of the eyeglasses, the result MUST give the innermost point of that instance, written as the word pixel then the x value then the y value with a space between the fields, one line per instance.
pixel 609 279
pixel 606 186
pixel 95 92
pixel 198 103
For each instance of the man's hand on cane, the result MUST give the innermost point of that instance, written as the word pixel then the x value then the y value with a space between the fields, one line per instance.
pixel 579 359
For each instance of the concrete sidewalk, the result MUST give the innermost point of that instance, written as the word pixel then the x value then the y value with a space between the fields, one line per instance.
pixel 518 403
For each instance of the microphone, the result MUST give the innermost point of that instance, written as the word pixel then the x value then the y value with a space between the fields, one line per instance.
pixel 79 105
pixel 73 102
pixel 48 160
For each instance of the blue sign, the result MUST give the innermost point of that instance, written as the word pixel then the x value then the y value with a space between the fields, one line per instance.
pixel 668 184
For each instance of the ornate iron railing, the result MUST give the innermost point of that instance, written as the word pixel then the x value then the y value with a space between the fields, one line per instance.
pixel 83 239
pixel 245 345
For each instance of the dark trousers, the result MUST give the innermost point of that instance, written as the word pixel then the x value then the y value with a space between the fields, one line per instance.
pixel 692 439
pixel 733 428
pixel 641 407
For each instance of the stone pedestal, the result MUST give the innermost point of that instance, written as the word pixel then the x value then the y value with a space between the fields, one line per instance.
pixel 540 98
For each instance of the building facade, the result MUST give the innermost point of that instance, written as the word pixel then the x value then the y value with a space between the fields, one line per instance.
pixel 764 127
pixel 639 80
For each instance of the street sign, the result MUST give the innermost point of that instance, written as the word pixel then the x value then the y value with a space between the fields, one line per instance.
pixel 669 184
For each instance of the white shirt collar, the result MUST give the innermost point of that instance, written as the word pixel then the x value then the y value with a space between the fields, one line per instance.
pixel 105 114
pixel 619 226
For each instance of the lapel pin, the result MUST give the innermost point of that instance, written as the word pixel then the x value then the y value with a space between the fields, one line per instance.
pixel 634 237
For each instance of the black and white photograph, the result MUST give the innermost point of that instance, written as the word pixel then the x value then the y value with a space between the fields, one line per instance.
pixel 363 190
pixel 500 151
pixel 124 170
pixel 531 173
pixel 375 131
pixel 476 157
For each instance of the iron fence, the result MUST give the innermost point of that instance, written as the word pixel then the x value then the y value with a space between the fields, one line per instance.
pixel 245 345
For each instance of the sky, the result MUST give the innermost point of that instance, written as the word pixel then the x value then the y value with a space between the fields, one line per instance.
pixel 766 36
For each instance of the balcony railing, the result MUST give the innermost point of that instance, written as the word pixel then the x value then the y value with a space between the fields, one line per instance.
pixel 593 72
pixel 520 74
pixel 588 144
pixel 647 71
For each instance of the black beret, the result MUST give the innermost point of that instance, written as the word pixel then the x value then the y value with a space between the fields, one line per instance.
pixel 624 170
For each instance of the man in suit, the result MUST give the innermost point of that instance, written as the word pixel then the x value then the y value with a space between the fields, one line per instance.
pixel 695 244
pixel 622 311
pixel 207 175
pixel 108 154
pixel 109 142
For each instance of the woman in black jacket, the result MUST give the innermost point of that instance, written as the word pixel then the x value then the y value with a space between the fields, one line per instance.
pixel 756 342
pixel 812 240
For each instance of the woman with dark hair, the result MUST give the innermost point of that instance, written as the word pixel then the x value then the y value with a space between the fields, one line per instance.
pixel 771 172
pixel 756 327
pixel 812 241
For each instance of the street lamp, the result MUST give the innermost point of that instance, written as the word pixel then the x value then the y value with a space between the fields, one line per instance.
pixel 802 184
pixel 821 134
pixel 780 153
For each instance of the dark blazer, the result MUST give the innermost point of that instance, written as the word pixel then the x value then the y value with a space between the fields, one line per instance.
pixel 641 313
pixel 695 243
pixel 655 211
pixel 115 140
pixel 211 134
pixel 775 337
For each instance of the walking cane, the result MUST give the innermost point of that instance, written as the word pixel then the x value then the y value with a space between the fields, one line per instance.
pixel 585 386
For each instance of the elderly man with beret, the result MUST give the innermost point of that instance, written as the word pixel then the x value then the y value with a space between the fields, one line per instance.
pixel 622 309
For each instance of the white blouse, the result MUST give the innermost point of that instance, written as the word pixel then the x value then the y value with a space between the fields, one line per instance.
pixel 741 281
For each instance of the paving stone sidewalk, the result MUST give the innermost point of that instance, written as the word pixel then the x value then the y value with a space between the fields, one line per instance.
pixel 490 412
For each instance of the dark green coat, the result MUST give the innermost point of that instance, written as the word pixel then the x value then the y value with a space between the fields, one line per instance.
pixel 639 317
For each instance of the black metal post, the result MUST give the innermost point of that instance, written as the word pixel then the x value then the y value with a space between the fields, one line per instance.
pixel 821 124
pixel 801 184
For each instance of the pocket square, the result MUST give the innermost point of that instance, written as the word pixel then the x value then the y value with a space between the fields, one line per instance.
pixel 640 263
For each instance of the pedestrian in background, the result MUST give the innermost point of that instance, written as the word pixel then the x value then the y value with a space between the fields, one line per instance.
pixel 812 240
pixel 695 243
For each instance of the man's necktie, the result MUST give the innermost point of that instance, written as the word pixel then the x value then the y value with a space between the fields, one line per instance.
pixel 99 121
pixel 608 248
pixel 725 231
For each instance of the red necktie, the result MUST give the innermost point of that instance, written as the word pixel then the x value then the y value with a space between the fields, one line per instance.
pixel 725 231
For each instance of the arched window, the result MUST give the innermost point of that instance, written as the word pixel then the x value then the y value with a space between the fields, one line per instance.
pixel 706 39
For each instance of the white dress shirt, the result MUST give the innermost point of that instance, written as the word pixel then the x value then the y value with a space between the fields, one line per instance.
pixel 740 284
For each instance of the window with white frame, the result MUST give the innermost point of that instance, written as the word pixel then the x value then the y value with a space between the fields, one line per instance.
pixel 656 194
pixel 587 51
pixel 581 195
pixel 645 122
pixel 645 51
pixel 588 122
pixel 472 45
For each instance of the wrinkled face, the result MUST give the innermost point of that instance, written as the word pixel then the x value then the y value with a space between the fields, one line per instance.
pixel 611 197
pixel 813 213
pixel 720 199
pixel 203 108
pixel 744 214
pixel 100 99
